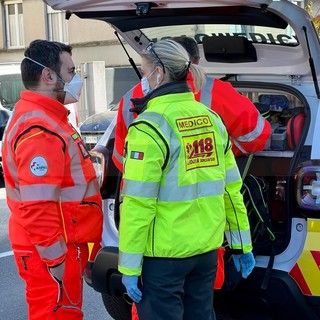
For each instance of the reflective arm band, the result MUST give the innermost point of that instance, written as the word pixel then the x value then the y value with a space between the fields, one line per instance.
pixel 237 239
pixel 232 175
pixel 130 260
pixel 255 133
pixel 55 251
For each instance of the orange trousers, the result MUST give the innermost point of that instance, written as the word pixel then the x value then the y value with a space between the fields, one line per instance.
pixel 217 284
pixel 46 298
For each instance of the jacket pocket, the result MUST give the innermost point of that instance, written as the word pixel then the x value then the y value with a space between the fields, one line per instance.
pixel 24 261
pixel 83 222
pixel 63 312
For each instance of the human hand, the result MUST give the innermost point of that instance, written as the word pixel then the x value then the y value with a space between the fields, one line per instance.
pixel 58 271
pixel 245 263
pixel 131 284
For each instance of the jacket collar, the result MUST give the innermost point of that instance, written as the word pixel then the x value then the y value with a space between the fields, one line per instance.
pixel 49 105
pixel 140 104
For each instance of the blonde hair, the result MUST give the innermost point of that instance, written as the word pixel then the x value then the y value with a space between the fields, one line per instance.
pixel 174 58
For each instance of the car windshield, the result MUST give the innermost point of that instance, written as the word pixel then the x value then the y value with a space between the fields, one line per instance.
pixel 98 122
pixel 256 34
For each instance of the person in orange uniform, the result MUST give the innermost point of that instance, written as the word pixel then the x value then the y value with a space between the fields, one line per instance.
pixel 52 190
pixel 248 130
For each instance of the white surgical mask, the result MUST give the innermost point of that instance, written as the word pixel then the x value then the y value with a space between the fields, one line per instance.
pixel 72 89
pixel 145 83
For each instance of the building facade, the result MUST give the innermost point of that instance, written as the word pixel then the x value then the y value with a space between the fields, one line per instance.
pixel 97 52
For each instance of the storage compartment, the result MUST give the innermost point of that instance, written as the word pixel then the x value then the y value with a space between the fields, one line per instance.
pixel 279 139
pixel 286 113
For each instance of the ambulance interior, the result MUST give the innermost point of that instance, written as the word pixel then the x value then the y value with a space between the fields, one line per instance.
pixel 288 113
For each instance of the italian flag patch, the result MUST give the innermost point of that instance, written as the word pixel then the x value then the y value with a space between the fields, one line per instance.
pixel 136 155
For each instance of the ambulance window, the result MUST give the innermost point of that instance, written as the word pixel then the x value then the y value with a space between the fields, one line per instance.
pixel 256 34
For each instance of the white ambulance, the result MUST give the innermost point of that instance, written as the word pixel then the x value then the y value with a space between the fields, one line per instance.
pixel 269 51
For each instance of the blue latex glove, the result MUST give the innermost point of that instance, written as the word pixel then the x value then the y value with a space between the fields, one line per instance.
pixel 244 262
pixel 131 284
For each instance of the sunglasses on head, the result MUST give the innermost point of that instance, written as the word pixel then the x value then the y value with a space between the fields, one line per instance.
pixel 151 50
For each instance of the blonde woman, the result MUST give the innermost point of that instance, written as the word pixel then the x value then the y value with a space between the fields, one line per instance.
pixel 181 192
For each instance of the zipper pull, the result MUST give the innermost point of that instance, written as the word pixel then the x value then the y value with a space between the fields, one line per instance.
pixel 78 253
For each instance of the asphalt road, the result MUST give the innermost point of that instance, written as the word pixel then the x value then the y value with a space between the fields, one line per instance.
pixel 12 299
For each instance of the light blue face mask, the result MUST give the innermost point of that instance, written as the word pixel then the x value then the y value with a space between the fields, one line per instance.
pixel 145 83
pixel 72 88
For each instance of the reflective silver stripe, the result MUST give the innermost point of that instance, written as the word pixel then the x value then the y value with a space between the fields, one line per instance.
pixel 126 114
pixel 238 237
pixel 172 192
pixel 159 120
pixel 117 155
pixel 13 194
pixel 233 175
pixel 54 251
pixel 140 189
pixel 39 192
pixel 206 92
pixel 255 133
pixel 49 192
pixel 77 193
pixel 237 144
pixel 130 260
pixel 192 192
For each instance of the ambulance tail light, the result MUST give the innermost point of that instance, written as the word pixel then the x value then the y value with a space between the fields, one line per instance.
pixel 307 185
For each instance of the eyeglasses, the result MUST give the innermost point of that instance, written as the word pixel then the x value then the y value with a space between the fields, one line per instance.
pixel 151 50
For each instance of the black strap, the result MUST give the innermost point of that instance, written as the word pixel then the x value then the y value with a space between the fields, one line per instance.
pixel 117 201
pixel 268 272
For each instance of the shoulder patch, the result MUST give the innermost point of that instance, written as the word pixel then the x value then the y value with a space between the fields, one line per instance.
pixel 75 136
pixel 83 150
pixel 38 166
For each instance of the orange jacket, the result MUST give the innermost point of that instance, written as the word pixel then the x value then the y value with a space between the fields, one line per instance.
pixel 248 130
pixel 51 185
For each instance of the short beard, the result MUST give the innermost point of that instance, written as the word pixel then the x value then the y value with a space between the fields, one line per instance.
pixel 60 94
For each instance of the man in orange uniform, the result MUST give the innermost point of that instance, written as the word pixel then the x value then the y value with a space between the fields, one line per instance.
pixel 51 186
pixel 248 130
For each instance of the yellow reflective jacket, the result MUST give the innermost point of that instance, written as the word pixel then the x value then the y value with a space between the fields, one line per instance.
pixel 181 186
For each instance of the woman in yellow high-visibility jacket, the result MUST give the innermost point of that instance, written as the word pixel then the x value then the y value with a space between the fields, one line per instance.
pixel 181 192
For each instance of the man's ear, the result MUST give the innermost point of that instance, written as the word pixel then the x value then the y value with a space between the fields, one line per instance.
pixel 48 76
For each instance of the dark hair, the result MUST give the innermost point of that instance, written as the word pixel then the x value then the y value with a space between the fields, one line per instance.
pixel 190 45
pixel 44 52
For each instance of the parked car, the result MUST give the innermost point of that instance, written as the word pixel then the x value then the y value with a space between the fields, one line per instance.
pixel 93 128
pixel 4 117
pixel 269 51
